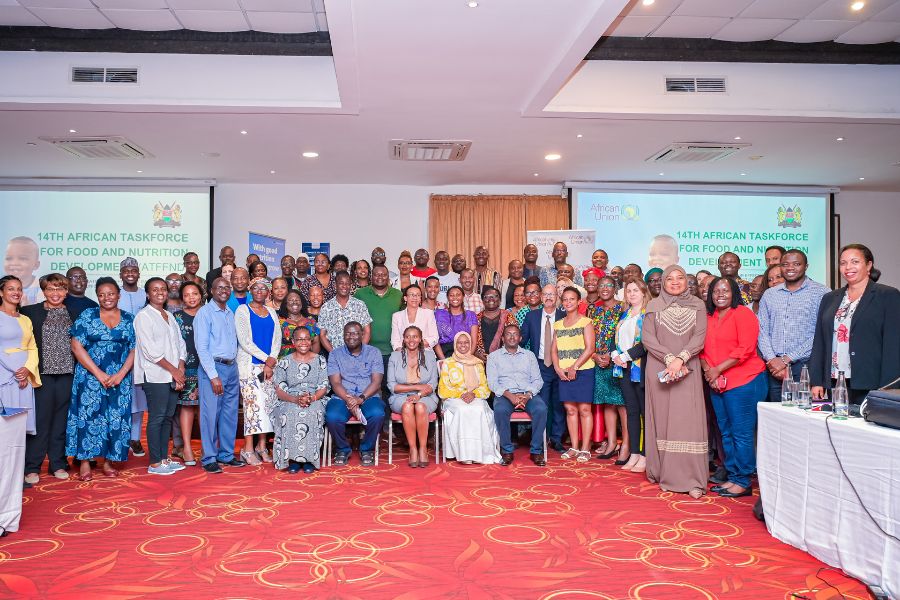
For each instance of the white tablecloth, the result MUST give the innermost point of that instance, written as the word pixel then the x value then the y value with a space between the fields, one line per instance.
pixel 12 468
pixel 809 503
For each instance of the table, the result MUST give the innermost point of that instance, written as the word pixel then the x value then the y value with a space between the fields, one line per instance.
pixel 12 467
pixel 809 503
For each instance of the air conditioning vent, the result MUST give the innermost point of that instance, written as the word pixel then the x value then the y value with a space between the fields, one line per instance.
pixel 429 150
pixel 695 85
pixel 116 75
pixel 693 152
pixel 103 147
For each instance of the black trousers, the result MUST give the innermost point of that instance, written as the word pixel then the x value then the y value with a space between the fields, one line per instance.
pixel 633 394
pixel 161 403
pixel 51 409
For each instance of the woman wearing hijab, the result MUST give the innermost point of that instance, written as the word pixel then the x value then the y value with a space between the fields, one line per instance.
pixel 470 435
pixel 674 331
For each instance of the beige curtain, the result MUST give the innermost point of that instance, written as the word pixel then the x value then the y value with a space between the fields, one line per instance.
pixel 458 224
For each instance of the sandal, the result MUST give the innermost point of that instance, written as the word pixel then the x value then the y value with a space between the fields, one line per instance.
pixel 583 456
pixel 569 454
pixel 250 458
pixel 263 454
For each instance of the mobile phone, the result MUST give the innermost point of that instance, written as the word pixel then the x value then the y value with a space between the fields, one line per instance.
pixel 663 377
pixel 261 376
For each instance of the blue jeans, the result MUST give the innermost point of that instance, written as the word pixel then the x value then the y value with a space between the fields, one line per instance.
pixel 736 414
pixel 219 414
pixel 775 384
pixel 336 415
pixel 536 409
pixel 556 413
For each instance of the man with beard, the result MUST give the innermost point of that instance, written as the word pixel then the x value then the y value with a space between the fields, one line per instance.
pixel 787 321
pixel 75 300
pixel 173 292
pixel 560 255
pixel 458 263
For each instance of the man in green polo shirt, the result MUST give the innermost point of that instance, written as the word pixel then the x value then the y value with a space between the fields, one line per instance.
pixel 383 301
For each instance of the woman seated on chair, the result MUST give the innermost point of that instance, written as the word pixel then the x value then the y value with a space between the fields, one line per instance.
pixel 412 380
pixel 298 416
pixel 470 435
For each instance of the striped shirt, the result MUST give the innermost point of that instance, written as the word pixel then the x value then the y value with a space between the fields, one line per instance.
pixel 787 320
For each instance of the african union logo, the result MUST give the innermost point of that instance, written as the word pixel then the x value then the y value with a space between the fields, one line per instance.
pixel 630 212
pixel 166 216
pixel 790 217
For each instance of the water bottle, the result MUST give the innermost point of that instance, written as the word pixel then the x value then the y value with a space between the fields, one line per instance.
pixel 787 390
pixel 840 399
pixel 804 395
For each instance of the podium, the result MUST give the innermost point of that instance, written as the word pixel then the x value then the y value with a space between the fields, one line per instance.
pixel 12 466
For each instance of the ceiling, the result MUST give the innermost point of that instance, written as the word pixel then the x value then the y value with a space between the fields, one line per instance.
pixel 273 16
pixel 437 69
pixel 801 21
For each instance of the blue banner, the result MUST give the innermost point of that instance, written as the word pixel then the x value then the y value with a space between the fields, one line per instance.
pixel 310 249
pixel 269 249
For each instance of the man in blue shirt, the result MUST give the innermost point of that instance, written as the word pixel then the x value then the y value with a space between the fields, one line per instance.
pixel 514 377
pixel 240 281
pixel 215 339
pixel 787 321
pixel 355 371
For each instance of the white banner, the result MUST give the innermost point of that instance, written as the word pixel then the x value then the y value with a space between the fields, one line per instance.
pixel 580 243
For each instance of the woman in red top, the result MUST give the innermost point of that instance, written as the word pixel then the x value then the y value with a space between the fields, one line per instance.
pixel 737 379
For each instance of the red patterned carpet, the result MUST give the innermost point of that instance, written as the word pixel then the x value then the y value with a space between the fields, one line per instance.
pixel 453 531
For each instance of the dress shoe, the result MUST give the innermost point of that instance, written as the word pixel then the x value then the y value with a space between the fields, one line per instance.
pixel 720 476
pixel 609 454
pixel 212 468
pixel 623 462
pixel 538 459
pixel 557 447
pixel 234 462
pixel 719 488
pixel 294 467
pixel 506 458
pixel 308 468
pixel 748 491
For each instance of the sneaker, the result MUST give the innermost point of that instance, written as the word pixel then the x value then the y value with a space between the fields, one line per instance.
pixel 32 478
pixel 162 469
pixel 212 468
pixel 367 459
pixel 172 465
pixel 340 459
pixel 136 448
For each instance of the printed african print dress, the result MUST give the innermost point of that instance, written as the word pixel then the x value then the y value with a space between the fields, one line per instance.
pixel 605 320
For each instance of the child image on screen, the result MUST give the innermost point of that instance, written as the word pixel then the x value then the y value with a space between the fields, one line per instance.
pixel 22 260
pixel 663 252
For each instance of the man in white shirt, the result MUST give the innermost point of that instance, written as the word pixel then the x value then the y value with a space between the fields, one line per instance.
pixel 447 277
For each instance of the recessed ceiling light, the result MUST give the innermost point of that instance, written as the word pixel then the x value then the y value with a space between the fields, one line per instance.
pixel 552 156
pixel 743 174
pixel 472 4
pixel 579 136
pixel 72 131
pixel 840 139
pixel 858 5
pixel 243 132
pixel 648 2
pixel 272 172
pixel 310 155
pixel 737 137
pixel 862 178
pixel 139 171
pixel 661 174
pixel 536 174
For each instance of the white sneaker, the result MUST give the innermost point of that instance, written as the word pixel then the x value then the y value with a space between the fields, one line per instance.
pixel 172 465
pixel 162 469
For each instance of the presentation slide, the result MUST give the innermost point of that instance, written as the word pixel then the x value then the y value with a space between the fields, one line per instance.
pixel 656 229
pixel 53 230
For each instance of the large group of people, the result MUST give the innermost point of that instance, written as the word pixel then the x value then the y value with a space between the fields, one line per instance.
pixel 650 370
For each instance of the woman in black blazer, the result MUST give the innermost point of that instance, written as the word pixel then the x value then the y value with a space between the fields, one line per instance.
pixel 858 330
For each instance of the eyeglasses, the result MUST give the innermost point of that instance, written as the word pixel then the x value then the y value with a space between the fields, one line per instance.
pixel 78 277
pixel 607 285
pixel 173 281
pixel 532 293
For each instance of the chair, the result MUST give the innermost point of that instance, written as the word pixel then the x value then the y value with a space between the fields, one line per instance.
pixel 432 418
pixel 326 448
pixel 520 416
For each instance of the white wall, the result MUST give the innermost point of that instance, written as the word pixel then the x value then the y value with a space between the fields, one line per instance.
pixel 873 219
pixel 354 218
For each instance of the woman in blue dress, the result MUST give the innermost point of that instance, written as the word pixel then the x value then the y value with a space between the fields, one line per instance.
pixel 99 421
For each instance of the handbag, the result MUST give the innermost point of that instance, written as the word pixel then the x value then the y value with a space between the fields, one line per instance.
pixel 882 407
